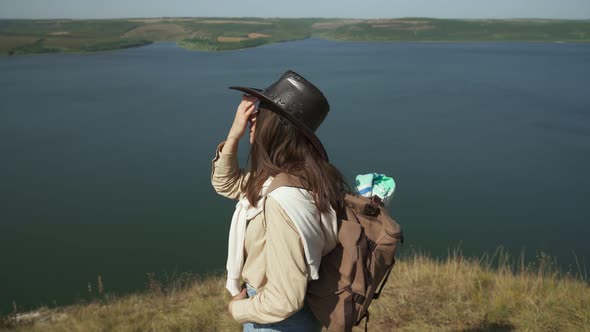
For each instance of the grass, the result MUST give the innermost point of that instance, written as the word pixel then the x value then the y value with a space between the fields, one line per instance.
pixel 490 293
pixel 219 34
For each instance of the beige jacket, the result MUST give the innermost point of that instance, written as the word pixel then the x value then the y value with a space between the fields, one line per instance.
pixel 275 259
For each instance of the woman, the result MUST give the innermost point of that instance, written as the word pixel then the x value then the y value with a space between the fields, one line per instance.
pixel 276 242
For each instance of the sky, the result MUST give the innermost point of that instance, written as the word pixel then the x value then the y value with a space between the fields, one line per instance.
pixel 567 9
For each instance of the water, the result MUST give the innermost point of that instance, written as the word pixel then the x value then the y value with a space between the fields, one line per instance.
pixel 106 158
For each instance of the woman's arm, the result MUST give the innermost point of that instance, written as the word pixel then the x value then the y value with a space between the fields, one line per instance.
pixel 286 272
pixel 226 175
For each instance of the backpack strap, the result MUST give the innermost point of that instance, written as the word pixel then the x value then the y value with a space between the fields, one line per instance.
pixel 280 180
pixel 284 180
pixel 376 294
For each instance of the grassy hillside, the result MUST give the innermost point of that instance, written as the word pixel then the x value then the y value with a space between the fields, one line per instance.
pixel 47 36
pixel 215 34
pixel 423 294
pixel 219 35
pixel 425 29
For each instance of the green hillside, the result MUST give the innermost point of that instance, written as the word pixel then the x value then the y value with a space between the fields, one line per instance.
pixel 216 34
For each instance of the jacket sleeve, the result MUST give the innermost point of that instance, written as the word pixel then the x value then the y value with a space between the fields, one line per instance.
pixel 226 176
pixel 286 272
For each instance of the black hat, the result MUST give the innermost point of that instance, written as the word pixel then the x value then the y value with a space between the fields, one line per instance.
pixel 296 99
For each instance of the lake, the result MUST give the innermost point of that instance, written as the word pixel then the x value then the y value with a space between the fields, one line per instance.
pixel 106 158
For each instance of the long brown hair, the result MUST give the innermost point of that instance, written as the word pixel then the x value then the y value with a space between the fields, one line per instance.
pixel 279 147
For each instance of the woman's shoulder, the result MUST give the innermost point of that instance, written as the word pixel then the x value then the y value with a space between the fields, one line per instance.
pixel 294 198
pixel 275 211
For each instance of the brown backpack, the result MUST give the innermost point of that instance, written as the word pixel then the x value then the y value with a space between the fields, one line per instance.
pixel 355 271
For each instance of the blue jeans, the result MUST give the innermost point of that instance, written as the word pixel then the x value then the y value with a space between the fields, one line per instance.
pixel 301 321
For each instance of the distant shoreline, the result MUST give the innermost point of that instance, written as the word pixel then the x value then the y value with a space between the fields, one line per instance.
pixel 21 36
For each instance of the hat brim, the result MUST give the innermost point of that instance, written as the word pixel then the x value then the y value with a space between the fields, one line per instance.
pixel 282 112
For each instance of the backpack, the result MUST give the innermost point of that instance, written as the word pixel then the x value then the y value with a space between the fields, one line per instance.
pixel 356 270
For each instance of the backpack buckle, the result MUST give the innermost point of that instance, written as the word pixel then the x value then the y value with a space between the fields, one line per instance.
pixel 372 208
pixel 358 298
pixel 376 200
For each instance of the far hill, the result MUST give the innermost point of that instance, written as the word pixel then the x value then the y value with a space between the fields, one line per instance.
pixel 217 34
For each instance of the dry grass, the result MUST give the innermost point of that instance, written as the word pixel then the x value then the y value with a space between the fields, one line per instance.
pixel 233 21
pixel 423 294
pixel 188 304
pixel 157 20
pixel 334 24
pixel 253 35
pixel 406 27
pixel 488 294
pixel 8 42
pixel 163 31
pixel 223 39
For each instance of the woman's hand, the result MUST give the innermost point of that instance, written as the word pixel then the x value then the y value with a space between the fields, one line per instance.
pixel 243 295
pixel 245 109
pixel 238 128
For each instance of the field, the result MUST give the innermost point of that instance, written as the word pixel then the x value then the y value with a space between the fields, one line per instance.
pixel 47 36
pixel 19 37
pixel 424 29
pixel 491 293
